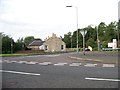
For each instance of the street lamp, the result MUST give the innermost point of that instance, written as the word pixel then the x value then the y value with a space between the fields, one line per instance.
pixel 76 23
pixel 98 41
pixel 71 41
pixel 1 42
pixel 117 30
pixel 11 45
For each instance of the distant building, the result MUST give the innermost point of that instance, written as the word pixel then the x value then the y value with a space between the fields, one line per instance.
pixel 54 44
pixel 37 44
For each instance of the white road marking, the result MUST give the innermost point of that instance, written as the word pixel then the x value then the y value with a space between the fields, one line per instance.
pixel 48 62
pixel 45 63
pixel 21 62
pixel 57 64
pixel 19 72
pixel 108 65
pixel 90 65
pixel 53 55
pixel 31 62
pixel 75 64
pixel 102 79
pixel 13 61
pixel 60 64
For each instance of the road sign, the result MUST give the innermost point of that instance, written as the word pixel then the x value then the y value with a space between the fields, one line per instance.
pixel 83 32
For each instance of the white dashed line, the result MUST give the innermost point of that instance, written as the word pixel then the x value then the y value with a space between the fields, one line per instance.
pixel 75 64
pixel 31 62
pixel 90 65
pixel 21 62
pixel 60 64
pixel 19 72
pixel 101 79
pixel 57 64
pixel 13 61
pixel 45 63
pixel 108 65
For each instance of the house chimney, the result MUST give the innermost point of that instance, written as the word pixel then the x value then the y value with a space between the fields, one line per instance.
pixel 53 35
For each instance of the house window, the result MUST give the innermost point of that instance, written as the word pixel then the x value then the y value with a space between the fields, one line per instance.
pixel 62 47
pixel 46 47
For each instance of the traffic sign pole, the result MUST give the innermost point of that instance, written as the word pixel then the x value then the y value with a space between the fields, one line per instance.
pixel 83 32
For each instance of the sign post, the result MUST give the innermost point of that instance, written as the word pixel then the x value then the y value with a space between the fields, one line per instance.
pixel 83 32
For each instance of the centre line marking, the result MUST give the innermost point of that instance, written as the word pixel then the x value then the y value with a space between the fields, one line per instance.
pixel 20 72
pixel 102 79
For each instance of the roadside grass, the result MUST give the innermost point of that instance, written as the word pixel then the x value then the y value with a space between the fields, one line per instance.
pixel 8 55
pixel 30 54
pixel 20 54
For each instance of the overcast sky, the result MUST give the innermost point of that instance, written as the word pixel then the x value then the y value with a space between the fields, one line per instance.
pixel 41 18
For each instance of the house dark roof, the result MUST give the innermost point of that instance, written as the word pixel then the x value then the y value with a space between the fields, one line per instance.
pixel 37 43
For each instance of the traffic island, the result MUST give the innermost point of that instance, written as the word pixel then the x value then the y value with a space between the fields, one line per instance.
pixel 99 57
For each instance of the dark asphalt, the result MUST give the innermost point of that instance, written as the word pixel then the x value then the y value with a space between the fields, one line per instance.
pixel 56 76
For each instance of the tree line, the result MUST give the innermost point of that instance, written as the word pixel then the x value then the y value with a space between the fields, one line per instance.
pixel 10 46
pixel 105 34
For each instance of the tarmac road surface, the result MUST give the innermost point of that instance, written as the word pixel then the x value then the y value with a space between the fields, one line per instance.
pixel 57 71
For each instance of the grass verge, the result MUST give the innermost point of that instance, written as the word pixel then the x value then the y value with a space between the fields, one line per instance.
pixel 8 55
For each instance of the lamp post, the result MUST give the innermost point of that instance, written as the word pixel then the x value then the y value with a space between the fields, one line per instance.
pixel 1 42
pixel 98 41
pixel 11 46
pixel 76 24
pixel 117 31
pixel 71 41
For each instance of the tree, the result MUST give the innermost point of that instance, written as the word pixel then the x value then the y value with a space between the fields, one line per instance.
pixel 7 44
pixel 90 37
pixel 118 32
pixel 111 34
pixel 92 43
pixel 28 40
pixel 105 33
pixel 67 39
pixel 19 45
pixel 102 27
pixel 74 39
